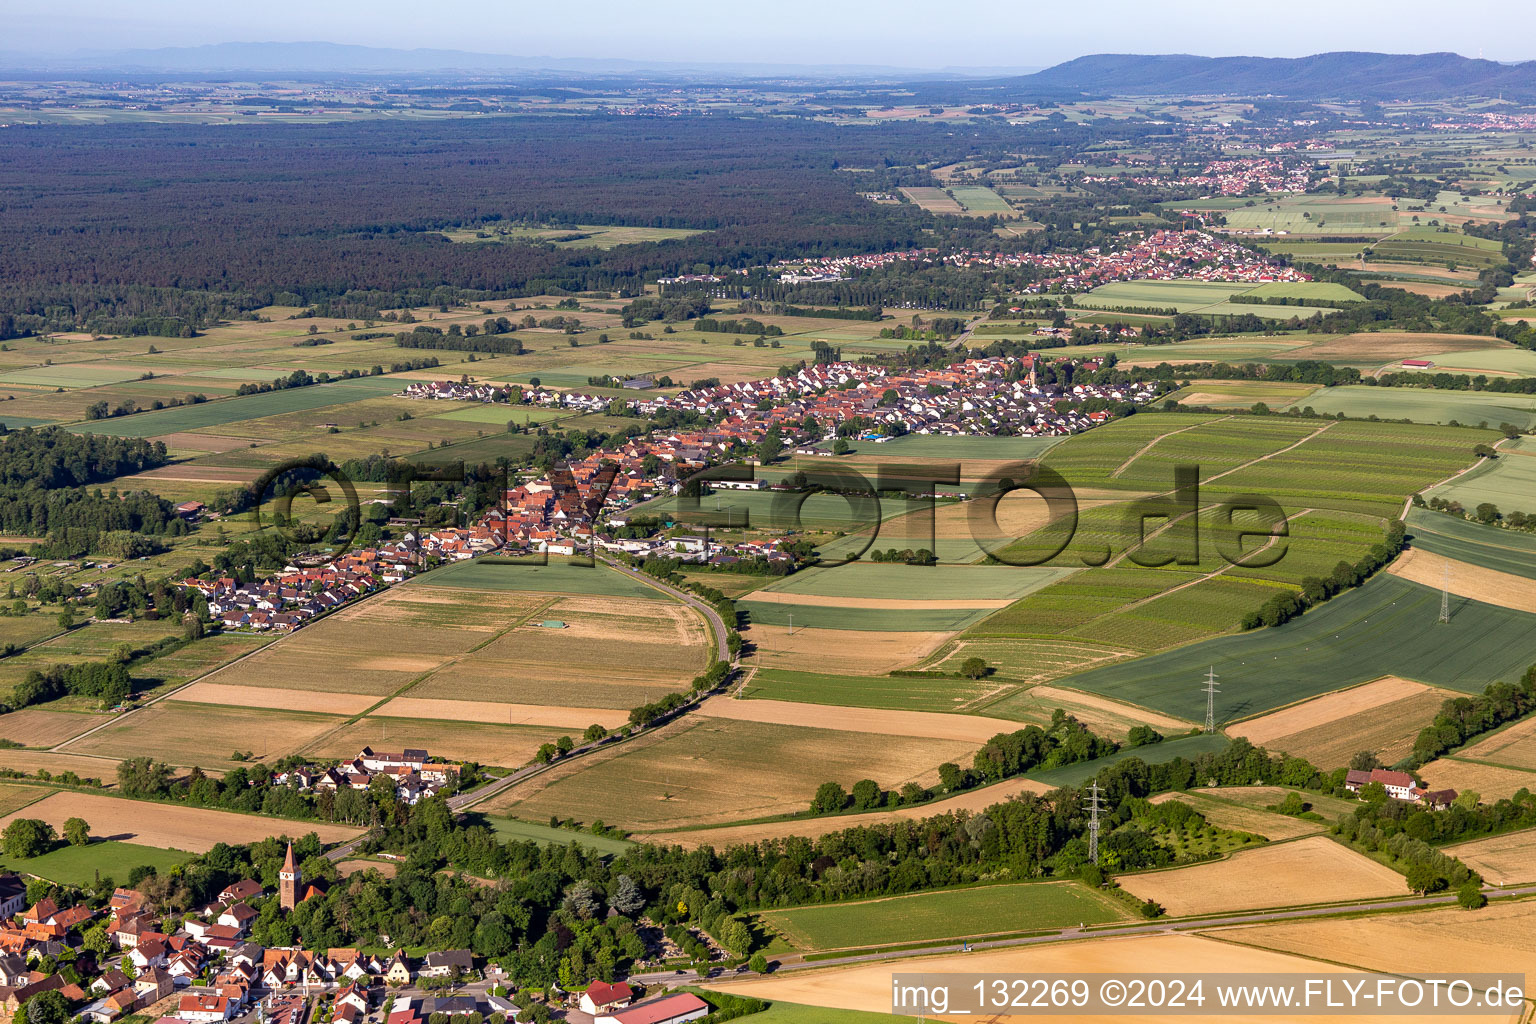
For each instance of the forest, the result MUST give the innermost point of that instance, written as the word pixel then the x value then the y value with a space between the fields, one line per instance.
pixel 116 224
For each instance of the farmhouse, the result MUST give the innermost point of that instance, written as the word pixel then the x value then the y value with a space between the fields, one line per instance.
pixel 671 1010
pixel 601 997
pixel 1399 786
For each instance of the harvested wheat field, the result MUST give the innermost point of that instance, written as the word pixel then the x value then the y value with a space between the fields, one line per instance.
pixel 502 714
pixel 811 828
pixel 702 771
pixel 1094 711
pixel 203 735
pixel 1244 819
pixel 14 797
pixel 233 695
pixel 608 655
pixel 868 986
pixel 1473 581
pixel 1502 860
pixel 171 826
pixel 1489 781
pixel 928 724
pixel 1499 937
pixel 34 727
pixel 1311 870
pixel 1390 346
pixel 1515 746
pixel 1382 717
pixel 384 641
pixel 503 746
pixel 840 651
pixel 103 769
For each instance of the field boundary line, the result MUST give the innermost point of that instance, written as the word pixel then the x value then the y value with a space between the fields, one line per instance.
pixel 118 719
pixel 1152 443
pixel 1408 501
pixel 418 680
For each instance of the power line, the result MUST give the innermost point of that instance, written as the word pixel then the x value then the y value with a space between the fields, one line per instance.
pixel 1093 821
pixel 1211 690
pixel 1445 595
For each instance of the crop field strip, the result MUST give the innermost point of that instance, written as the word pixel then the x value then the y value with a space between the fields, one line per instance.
pixel 1301 871
pixel 711 771
pixel 1386 626
pixel 1382 716
pixel 943 914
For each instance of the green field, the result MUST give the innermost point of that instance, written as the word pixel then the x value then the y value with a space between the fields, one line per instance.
pixel 558 577
pixel 511 830
pixel 1305 290
pixel 68 376
pixel 1209 297
pixel 939 446
pixel 1422 405
pixel 945 914
pixel 1502 550
pixel 1387 627
pixel 499 415
pixel 1305 215
pixel 1187 747
pixel 980 200
pixel 83 865
pixel 777 510
pixel 1241 394
pixel 1181 295
pixel 929 582
pixel 799 1013
pixel 904 693
pixel 247 407
pixel 1508 481
pixel 903 620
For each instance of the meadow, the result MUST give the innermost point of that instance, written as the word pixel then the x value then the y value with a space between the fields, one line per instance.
pixel 943 914
pixel 510 830
pixel 87 866
pixel 556 576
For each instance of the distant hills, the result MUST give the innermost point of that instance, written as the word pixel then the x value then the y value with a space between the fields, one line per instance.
pixel 1343 75
pixel 314 58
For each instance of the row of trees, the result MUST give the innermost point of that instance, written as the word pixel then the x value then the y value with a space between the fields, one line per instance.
pixel 1316 589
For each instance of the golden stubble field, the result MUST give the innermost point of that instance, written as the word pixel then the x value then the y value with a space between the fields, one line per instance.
pixel 868 986
pixel 1502 860
pixel 1383 717
pixel 171 826
pixel 1310 870
pixel 1500 937
pixel 1515 746
pixel 840 651
pixel 702 771
pixel 1487 585
pixel 1489 781
pixel 1223 814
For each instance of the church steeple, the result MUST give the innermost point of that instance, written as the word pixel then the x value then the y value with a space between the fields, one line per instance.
pixel 288 882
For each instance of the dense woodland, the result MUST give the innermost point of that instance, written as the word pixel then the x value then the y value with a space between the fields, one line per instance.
pixel 114 226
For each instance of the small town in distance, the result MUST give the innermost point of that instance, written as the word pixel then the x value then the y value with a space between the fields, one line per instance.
pixel 652 538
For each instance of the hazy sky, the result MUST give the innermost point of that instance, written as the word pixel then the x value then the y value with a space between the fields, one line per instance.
pixel 898 32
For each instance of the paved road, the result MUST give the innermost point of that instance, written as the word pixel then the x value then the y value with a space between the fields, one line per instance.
pixel 722 652
pixel 792 963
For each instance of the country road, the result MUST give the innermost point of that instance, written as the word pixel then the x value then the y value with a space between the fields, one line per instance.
pixel 717 624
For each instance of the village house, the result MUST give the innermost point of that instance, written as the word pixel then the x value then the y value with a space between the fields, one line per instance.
pixel 674 1009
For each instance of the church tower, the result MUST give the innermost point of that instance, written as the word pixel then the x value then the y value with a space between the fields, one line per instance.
pixel 288 882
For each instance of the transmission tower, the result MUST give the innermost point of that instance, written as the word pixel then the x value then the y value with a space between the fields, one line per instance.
pixel 1445 595
pixel 1093 821
pixel 1211 690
